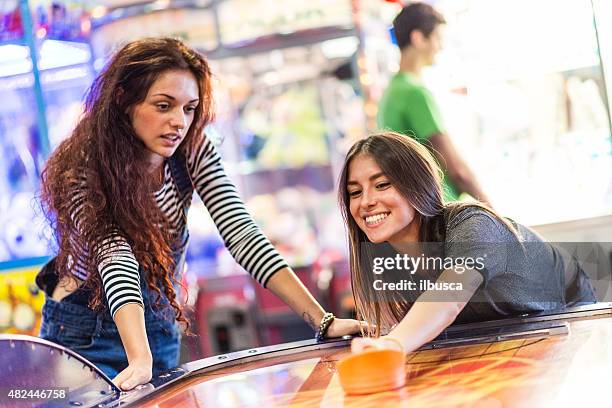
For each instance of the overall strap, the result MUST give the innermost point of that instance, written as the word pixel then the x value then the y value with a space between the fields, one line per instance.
pixel 182 179
pixel 181 176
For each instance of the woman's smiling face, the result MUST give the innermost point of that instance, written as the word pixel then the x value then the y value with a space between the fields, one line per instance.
pixel 379 210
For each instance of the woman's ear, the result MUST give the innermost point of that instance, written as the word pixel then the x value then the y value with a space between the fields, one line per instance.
pixel 119 99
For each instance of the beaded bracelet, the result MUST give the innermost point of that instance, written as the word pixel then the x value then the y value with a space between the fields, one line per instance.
pixel 326 321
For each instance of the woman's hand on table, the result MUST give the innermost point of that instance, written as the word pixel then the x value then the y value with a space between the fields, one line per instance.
pixel 343 327
pixel 360 344
pixel 137 372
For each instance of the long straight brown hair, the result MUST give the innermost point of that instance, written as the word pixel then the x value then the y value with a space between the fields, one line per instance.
pixel 414 173
pixel 105 158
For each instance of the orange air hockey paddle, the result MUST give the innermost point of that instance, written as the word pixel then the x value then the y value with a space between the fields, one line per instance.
pixel 372 370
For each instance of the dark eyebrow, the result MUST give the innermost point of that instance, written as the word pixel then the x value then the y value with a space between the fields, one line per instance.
pixel 173 98
pixel 372 178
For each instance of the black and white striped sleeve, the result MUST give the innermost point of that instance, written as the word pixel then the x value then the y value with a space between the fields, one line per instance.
pixel 118 268
pixel 117 265
pixel 242 237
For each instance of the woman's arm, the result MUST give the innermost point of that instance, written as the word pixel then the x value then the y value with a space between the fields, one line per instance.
pixel 131 324
pixel 248 245
pixel 287 286
pixel 120 276
pixel 431 313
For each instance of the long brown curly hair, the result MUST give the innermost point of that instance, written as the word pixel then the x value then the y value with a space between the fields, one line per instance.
pixel 105 152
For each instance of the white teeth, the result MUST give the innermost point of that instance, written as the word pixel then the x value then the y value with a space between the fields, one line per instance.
pixel 376 218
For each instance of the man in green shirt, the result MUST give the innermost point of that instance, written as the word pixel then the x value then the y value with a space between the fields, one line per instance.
pixel 409 108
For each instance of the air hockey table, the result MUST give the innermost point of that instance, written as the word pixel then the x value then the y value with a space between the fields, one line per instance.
pixel 562 359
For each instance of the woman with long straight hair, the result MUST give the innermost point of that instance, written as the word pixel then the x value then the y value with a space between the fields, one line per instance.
pixel 117 192
pixel 419 264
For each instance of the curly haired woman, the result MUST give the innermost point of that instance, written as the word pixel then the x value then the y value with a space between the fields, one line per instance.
pixel 118 191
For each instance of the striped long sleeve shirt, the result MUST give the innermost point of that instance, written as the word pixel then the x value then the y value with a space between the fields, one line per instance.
pixel 118 266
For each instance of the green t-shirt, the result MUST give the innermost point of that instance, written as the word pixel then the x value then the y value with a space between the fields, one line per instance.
pixel 408 107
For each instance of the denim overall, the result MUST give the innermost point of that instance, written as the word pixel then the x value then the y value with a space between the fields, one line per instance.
pixel 95 336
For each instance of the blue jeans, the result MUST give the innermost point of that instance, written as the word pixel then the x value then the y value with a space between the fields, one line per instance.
pixel 95 336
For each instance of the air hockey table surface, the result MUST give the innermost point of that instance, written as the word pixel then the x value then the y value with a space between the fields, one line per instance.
pixel 563 359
